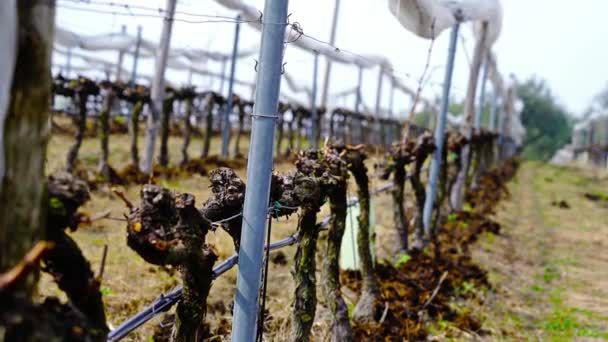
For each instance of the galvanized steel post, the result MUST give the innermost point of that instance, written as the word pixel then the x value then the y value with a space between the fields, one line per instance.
pixel 223 78
pixel 376 137
pixel 68 63
pixel 259 171
pixel 230 102
pixel 157 91
pixel 314 115
pixel 494 111
pixel 482 95
pixel 136 57
pixel 431 190
pixel 359 138
pixel 391 99
pixel 121 56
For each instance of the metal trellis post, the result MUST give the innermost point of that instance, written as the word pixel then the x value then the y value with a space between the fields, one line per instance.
pixel 259 171
pixel 313 106
pixel 379 92
pixel 494 111
pixel 376 137
pixel 68 63
pixel 190 74
pixel 391 99
pixel 136 57
pixel 358 94
pixel 431 190
pixel 358 100
pixel 482 95
pixel 223 78
pixel 157 91
pixel 332 41
pixel 229 101
pixel 121 56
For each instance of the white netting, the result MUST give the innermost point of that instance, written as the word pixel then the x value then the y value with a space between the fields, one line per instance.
pixel 428 18
pixel 127 42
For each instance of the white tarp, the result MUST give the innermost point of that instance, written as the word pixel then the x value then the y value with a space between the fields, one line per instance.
pixel 126 42
pixel 98 63
pixel 173 63
pixel 428 18
pixel 8 55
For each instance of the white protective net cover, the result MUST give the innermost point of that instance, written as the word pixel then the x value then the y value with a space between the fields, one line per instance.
pixel 428 18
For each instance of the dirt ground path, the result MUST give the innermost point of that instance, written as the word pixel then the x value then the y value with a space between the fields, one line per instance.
pixel 549 266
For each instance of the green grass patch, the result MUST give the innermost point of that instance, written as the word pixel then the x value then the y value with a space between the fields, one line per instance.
pixel 564 325
pixel 402 260
pixel 550 273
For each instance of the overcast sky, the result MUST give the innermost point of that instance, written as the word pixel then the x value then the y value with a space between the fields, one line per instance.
pixel 558 40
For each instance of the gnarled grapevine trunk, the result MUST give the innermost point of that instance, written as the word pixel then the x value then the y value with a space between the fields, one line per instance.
pixel 399 219
pixel 167 229
pixel 65 262
pixel 299 128
pixel 104 135
pixel 340 325
pixel 226 202
pixel 25 133
pixel 425 146
pixel 308 194
pixel 209 126
pixel 398 157
pixel 165 123
pixel 443 184
pixel 134 131
pixel 81 125
pixel 305 301
pixel 420 195
pixel 187 131
pixel 368 308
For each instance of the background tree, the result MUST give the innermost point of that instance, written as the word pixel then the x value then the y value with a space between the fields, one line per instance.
pixel 548 124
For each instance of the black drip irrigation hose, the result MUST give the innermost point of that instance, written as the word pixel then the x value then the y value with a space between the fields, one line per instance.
pixel 166 301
